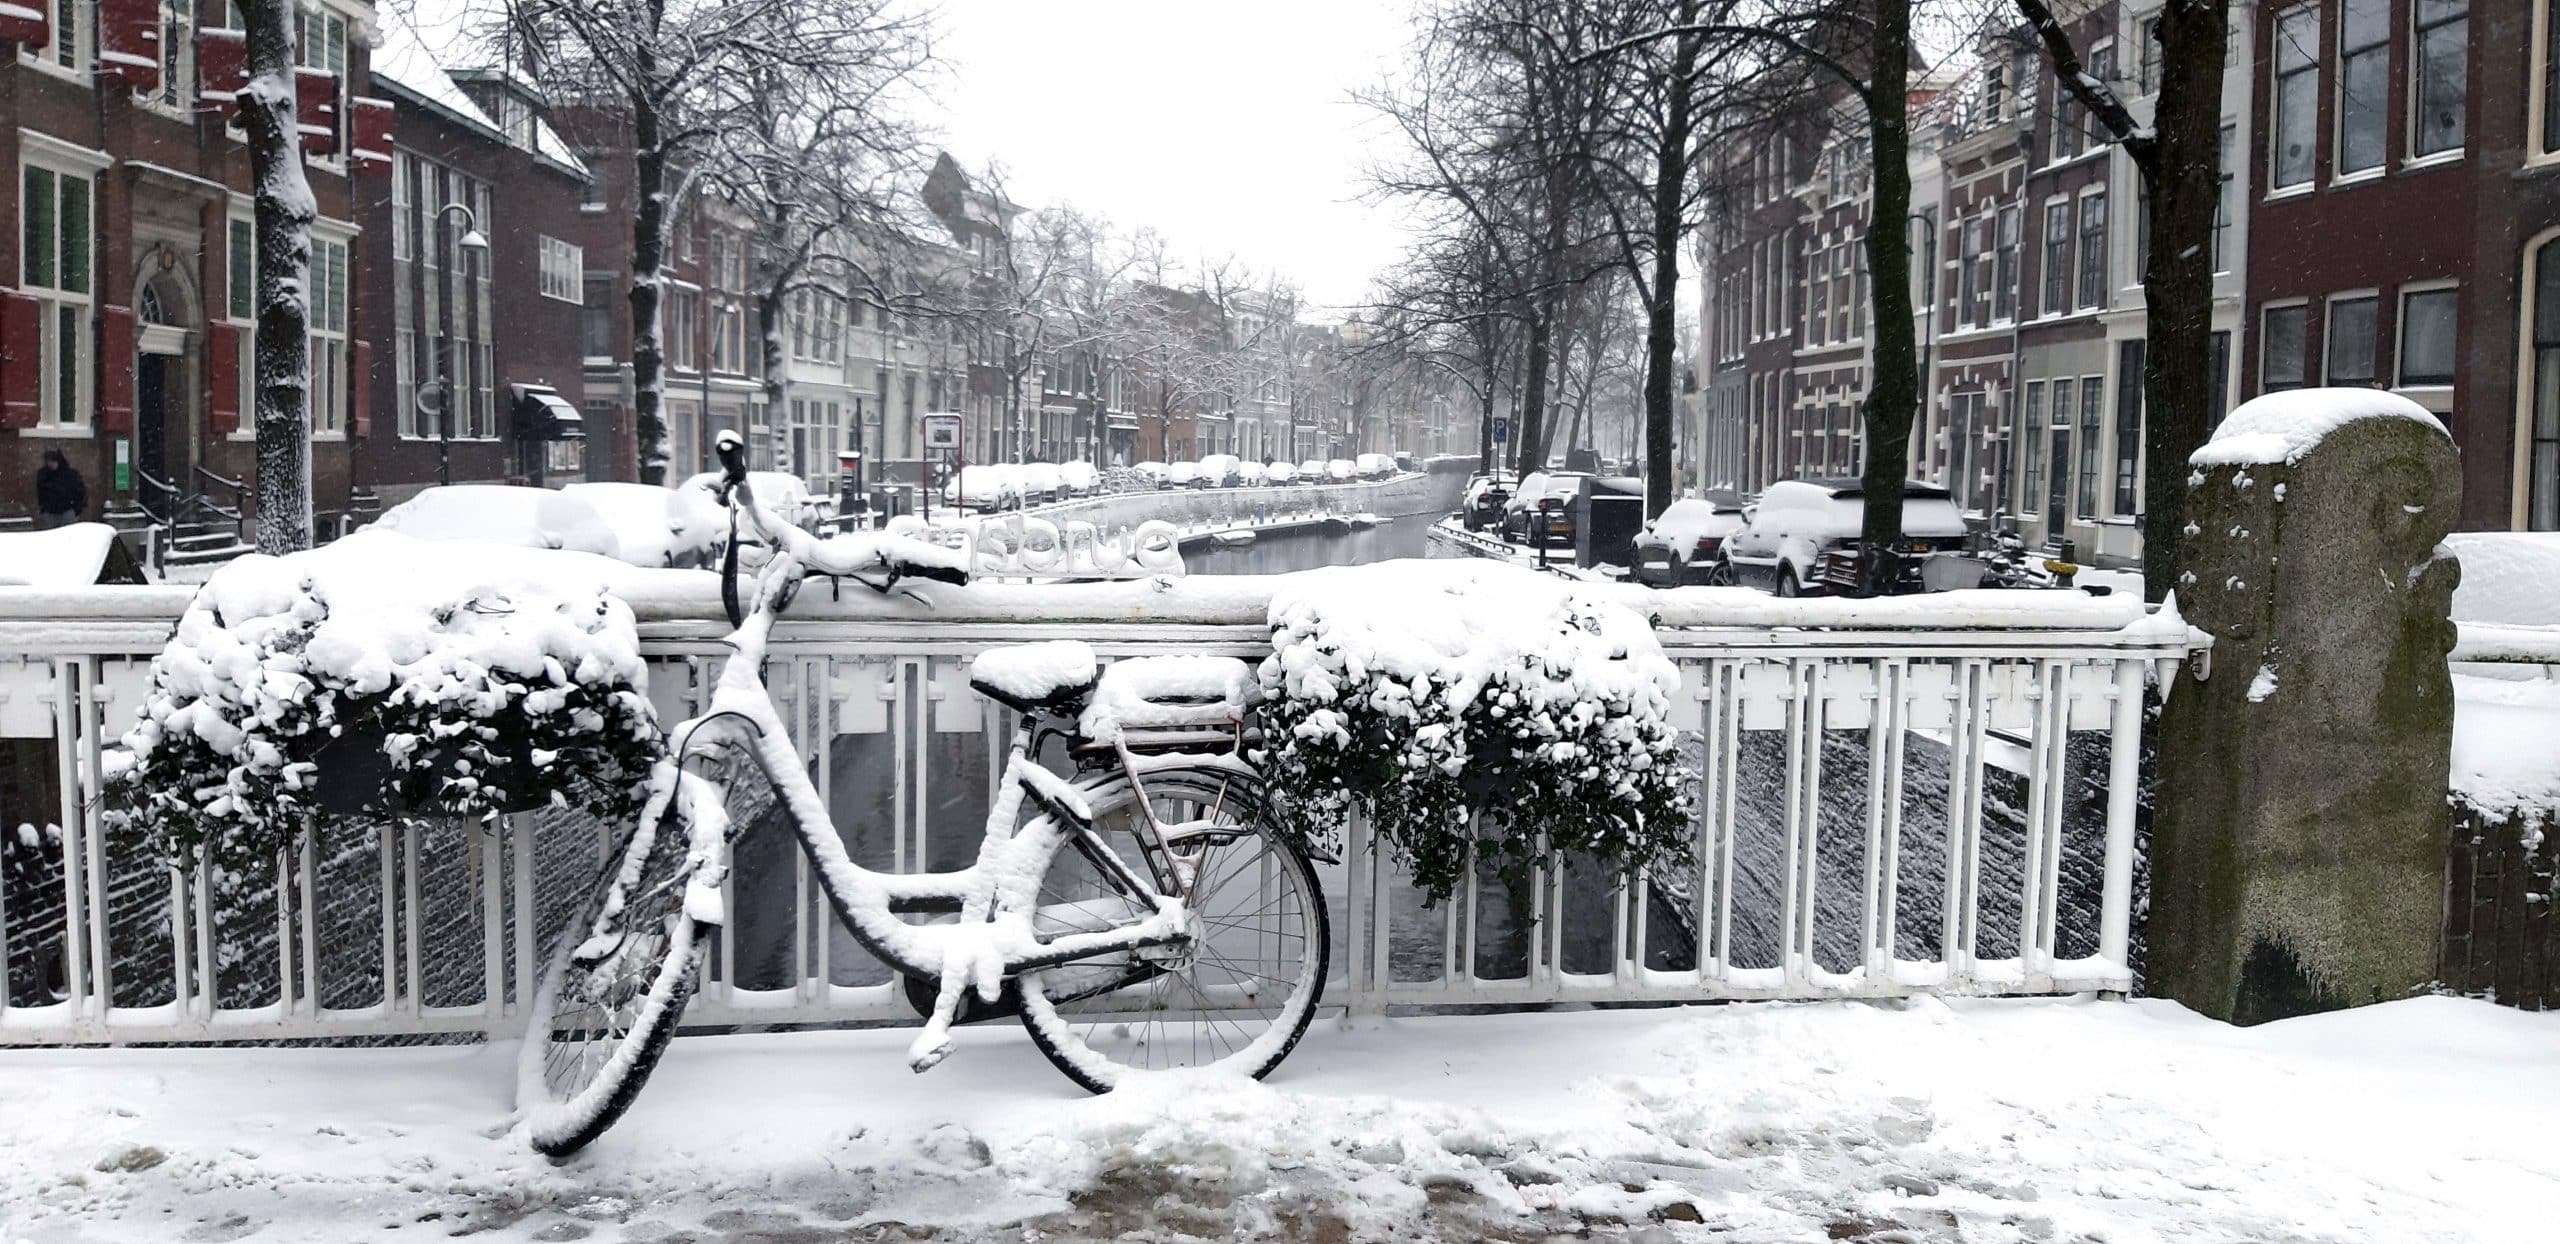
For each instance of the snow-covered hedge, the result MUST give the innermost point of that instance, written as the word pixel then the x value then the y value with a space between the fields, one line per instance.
pixel 455 678
pixel 1468 703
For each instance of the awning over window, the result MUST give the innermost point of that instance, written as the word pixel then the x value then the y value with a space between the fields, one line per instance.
pixel 543 415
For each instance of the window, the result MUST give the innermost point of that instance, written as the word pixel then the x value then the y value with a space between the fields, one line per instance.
pixel 2364 83
pixel 563 270
pixel 440 297
pixel 2549 14
pixel 596 317
pixel 2102 66
pixel 2146 61
pixel 2217 371
pixel 1969 275
pixel 2093 249
pixel 2057 494
pixel 72 34
pixel 683 311
pixel 2351 335
pixel 2442 64
pixel 55 269
pixel 2129 362
pixel 729 339
pixel 324 46
pixel 2542 452
pixel 2280 349
pixel 2032 424
pixel 2093 415
pixel 177 93
pixel 2067 124
pixel 2057 258
pixel 241 308
pixel 1817 321
pixel 328 393
pixel 2426 337
pixel 2297 102
pixel 2222 209
pixel 2004 275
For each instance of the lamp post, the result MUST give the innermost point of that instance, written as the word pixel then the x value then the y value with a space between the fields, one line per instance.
pixel 472 243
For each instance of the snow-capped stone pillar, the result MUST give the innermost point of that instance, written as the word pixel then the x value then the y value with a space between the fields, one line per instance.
pixel 2298 848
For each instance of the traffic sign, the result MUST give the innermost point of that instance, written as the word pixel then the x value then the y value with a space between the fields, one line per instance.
pixel 1501 430
pixel 942 431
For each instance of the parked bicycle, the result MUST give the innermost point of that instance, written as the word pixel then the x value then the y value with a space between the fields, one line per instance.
pixel 1141 915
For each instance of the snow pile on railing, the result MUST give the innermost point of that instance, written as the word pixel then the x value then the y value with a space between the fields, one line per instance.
pixel 1465 705
pixel 470 677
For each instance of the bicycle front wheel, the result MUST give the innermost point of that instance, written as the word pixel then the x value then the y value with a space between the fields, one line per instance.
pixel 1237 996
pixel 610 1000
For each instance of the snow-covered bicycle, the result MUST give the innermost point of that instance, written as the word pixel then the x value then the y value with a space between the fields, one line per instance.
pixel 1142 915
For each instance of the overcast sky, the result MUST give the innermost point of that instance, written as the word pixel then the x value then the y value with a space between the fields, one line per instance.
pixel 1224 125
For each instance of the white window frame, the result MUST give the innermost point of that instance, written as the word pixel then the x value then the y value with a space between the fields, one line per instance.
pixel 563 270
pixel 328 317
pixel 83 45
pixel 336 61
pixel 2277 188
pixel 60 160
pixel 2336 94
pixel 2412 122
pixel 2329 330
pixel 2542 130
pixel 2400 335
pixel 2258 331
pixel 177 63
pixel 242 214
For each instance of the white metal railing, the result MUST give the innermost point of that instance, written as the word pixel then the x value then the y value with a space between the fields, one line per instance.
pixel 1894 797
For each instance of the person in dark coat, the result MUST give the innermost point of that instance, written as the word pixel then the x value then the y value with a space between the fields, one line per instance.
pixel 61 497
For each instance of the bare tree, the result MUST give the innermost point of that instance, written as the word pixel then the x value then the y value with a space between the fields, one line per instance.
pixel 284 209
pixel 2179 157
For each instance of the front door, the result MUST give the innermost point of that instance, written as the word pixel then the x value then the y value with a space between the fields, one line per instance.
pixel 151 416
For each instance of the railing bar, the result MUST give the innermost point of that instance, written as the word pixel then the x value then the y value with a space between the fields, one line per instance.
pixel 1978 725
pixel 1474 895
pixel 493 957
pixel 2040 797
pixel 284 930
pixel 1726 828
pixel 1792 894
pixel 383 837
pixel 93 831
pixel 1355 927
pixel 1381 934
pixel 75 950
pixel 2124 777
pixel 412 920
pixel 1879 727
pixel 208 969
pixel 817 942
pixel 1959 738
pixel 307 886
pixel 528 937
pixel 2050 901
pixel 1889 917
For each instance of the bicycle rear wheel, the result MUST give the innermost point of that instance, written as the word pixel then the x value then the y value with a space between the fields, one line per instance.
pixel 609 1001
pixel 1238 998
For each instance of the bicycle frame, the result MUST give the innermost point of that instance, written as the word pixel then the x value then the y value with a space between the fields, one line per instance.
pixel 994 897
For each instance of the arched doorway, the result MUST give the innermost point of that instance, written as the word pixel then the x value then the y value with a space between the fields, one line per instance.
pixel 163 392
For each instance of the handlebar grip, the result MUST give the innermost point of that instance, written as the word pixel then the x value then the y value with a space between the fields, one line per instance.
pixel 929 570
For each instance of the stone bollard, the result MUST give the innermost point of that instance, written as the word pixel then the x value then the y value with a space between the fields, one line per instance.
pixel 2297 854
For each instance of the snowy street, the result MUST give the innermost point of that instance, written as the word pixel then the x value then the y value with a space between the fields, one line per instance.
pixel 1940 1121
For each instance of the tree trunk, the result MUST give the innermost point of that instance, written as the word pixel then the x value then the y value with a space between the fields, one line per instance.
pixel 1893 391
pixel 648 263
pixel 1662 304
pixel 284 210
pixel 2185 180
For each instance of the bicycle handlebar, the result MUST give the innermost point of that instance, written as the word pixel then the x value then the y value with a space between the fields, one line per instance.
pixel 848 555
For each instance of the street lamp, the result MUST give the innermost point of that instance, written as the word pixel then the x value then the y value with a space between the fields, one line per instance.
pixel 472 243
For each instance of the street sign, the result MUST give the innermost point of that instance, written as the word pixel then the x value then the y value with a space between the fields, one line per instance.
pixel 942 431
pixel 430 399
pixel 1501 430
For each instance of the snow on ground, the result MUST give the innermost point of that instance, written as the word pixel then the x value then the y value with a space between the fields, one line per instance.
pixel 2053 1119
pixel 2506 745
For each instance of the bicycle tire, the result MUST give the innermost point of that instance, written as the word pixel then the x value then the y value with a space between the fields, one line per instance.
pixel 1069 1042
pixel 560 1120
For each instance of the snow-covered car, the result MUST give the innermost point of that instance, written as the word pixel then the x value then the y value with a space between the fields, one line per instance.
pixel 534 518
pixel 1252 475
pixel 1685 542
pixel 1219 471
pixel 780 491
pixel 1281 473
pixel 1041 482
pixel 1527 518
pixel 1182 475
pixel 1341 469
pixel 1798 523
pixel 1374 466
pixel 1481 505
pixel 983 486
pixel 665 527
pixel 1079 477
pixel 1155 471
pixel 1312 471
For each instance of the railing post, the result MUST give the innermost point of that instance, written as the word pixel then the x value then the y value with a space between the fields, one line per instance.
pixel 2124 776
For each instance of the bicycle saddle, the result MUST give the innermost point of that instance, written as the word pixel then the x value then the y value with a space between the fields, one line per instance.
pixel 1052 677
